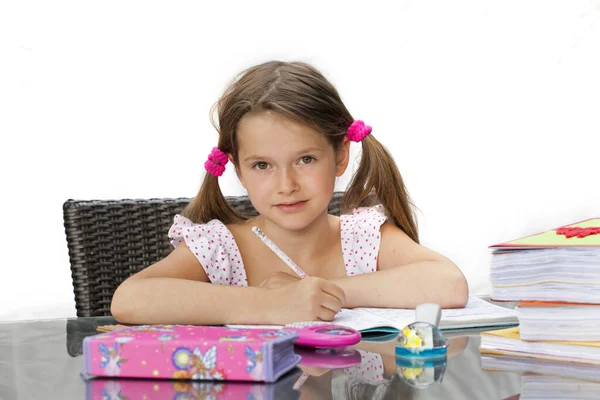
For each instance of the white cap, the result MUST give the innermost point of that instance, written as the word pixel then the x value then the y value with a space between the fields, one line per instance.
pixel 429 313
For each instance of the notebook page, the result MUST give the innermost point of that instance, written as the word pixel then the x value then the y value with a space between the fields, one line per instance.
pixel 362 318
pixel 234 326
pixel 477 312
pixel 357 318
pixel 476 308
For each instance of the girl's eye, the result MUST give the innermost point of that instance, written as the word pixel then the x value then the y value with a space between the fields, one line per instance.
pixel 307 159
pixel 260 165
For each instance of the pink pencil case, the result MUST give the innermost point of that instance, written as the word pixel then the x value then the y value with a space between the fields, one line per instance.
pixel 191 353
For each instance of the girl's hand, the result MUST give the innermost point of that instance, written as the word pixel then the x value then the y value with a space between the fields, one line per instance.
pixel 309 299
pixel 279 279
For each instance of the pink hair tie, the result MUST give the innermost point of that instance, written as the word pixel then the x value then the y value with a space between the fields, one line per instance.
pixel 215 165
pixel 358 130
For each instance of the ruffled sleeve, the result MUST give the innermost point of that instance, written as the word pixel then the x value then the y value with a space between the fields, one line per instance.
pixel 361 237
pixel 214 247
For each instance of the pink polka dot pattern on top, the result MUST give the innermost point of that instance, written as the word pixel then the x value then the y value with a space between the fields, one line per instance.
pixel 361 238
pixel 214 246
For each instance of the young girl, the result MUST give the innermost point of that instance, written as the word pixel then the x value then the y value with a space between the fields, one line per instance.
pixel 287 133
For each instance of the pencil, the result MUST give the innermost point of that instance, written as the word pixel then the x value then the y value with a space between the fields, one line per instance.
pixel 288 261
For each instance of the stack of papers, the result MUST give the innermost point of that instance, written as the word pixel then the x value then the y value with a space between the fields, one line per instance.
pixel 508 342
pixel 555 275
pixel 561 264
pixel 559 321
pixel 559 274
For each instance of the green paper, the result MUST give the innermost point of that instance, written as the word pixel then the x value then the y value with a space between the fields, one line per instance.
pixel 552 239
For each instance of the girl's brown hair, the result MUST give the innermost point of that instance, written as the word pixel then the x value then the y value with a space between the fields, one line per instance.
pixel 298 91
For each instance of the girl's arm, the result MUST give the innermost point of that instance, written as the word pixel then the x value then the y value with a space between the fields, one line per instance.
pixel 408 274
pixel 180 301
pixel 176 290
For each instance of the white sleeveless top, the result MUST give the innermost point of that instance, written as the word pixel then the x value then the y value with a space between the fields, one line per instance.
pixel 214 246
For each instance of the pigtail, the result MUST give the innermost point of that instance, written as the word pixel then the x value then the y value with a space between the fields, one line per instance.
pixel 210 204
pixel 378 180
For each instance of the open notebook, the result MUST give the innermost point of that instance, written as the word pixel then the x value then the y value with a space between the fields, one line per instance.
pixel 476 314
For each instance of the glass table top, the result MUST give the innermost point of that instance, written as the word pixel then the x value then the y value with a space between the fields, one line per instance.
pixel 43 359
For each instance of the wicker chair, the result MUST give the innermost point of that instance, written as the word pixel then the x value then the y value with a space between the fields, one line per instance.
pixel 110 240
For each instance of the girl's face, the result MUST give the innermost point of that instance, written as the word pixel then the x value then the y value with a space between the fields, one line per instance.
pixel 288 168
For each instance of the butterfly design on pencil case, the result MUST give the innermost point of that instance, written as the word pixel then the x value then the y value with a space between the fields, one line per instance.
pixel 255 362
pixel 111 359
pixel 196 365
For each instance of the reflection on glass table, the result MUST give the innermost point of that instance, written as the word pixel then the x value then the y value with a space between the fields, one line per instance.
pixel 132 389
pixel 42 359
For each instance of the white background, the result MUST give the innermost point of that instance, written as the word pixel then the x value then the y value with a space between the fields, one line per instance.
pixel 491 108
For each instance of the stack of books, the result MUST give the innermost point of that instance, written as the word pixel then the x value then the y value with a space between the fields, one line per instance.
pixel 541 320
pixel 508 342
pixel 555 278
pixel 560 265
